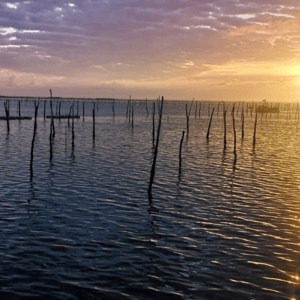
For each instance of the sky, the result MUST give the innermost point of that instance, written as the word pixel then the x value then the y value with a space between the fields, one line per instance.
pixel 181 49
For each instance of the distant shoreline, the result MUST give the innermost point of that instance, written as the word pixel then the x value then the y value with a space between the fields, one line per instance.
pixel 54 98
pixel 123 99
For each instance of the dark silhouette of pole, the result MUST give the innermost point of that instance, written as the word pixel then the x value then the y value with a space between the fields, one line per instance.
pixel 73 134
pixel 147 108
pixel 83 111
pixel 208 130
pixel 7 108
pixel 243 123
pixel 33 138
pixel 19 108
pixel 254 134
pixel 234 133
pixel 45 109
pixel 94 122
pixel 224 119
pixel 153 124
pixel 155 151
pixel 180 151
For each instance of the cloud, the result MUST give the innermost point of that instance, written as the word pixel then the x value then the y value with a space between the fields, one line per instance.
pixel 155 41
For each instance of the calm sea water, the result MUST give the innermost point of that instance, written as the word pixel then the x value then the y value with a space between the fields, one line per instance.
pixel 83 227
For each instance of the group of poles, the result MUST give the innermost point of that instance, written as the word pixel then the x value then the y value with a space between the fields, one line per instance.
pixel 130 117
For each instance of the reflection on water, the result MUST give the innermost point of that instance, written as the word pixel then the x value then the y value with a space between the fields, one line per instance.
pixel 83 228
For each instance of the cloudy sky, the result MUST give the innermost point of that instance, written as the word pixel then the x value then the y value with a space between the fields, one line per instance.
pixel 182 49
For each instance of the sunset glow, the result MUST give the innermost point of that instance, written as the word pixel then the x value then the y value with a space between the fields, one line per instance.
pixel 208 50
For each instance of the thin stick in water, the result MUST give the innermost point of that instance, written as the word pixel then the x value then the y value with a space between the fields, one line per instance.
pixel 180 151
pixel 234 133
pixel 254 134
pixel 224 119
pixel 33 139
pixel 208 130
pixel 94 122
pixel 155 152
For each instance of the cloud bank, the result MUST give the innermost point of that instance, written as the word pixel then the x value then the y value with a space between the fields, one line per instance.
pixel 204 49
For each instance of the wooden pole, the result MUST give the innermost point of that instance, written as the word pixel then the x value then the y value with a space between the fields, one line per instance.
pixel 187 119
pixel 129 109
pixel 113 108
pixel 56 108
pixel 155 151
pixel 33 139
pixel 83 111
pixel 224 118
pixel 19 109
pixel 254 134
pixel 59 109
pixel 6 106
pixel 243 123
pixel 187 113
pixel 45 109
pixel 94 122
pixel 234 133
pixel 180 151
pixel 153 124
pixel 147 108
pixel 70 114
pixel 132 116
pixel 52 120
pixel 51 128
pixel 207 135
pixel 73 133
pixel 199 110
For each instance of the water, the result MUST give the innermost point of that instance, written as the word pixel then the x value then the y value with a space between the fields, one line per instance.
pixel 83 228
